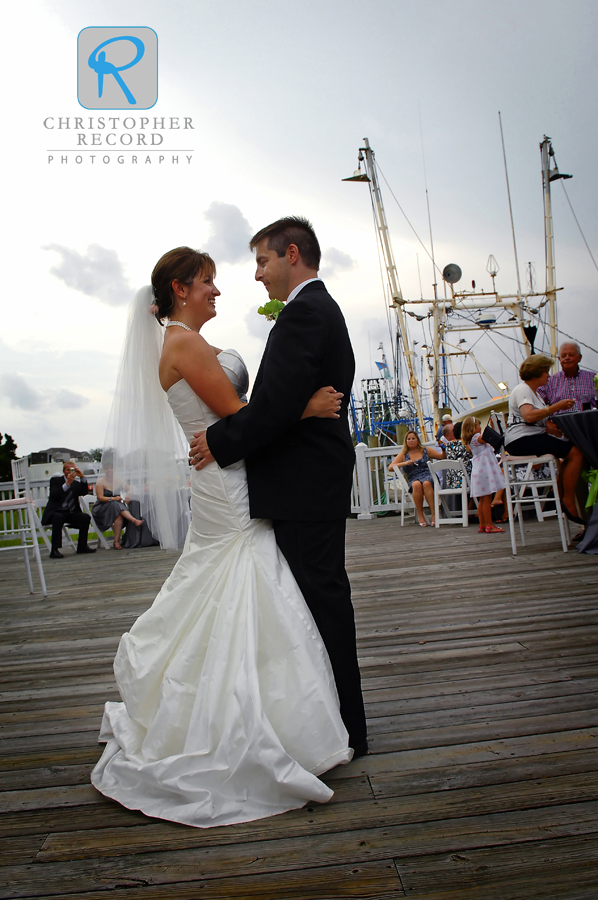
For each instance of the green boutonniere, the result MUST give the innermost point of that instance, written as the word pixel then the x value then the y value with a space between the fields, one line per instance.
pixel 271 309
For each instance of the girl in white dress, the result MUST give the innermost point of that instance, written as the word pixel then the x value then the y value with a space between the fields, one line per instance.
pixel 230 710
pixel 486 475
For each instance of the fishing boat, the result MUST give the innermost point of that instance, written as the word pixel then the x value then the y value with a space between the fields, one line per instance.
pixel 412 392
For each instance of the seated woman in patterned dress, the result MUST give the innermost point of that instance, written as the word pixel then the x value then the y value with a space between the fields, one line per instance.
pixel 456 449
pixel 415 458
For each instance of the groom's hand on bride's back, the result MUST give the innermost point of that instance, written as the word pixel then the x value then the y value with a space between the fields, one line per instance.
pixel 199 453
pixel 324 404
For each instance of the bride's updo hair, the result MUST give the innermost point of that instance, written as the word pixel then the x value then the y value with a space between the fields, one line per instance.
pixel 181 264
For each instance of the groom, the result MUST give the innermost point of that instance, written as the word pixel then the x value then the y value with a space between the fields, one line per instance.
pixel 299 471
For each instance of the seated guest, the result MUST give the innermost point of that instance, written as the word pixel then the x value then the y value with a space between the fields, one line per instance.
pixel 63 508
pixel 415 458
pixel 447 434
pixel 571 382
pixel 446 420
pixel 529 433
pixel 111 508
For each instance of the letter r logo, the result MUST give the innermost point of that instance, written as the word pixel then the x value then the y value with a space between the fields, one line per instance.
pixel 117 68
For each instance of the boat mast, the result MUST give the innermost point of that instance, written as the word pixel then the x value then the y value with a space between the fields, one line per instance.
pixel 438 345
pixel 549 175
pixel 397 301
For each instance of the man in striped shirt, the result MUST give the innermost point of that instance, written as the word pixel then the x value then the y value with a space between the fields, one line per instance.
pixel 571 382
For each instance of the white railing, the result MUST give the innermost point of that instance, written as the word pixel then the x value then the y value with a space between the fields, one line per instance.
pixel 373 491
pixel 40 488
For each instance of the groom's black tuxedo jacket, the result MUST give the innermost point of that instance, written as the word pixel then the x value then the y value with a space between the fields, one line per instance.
pixel 297 469
pixel 56 498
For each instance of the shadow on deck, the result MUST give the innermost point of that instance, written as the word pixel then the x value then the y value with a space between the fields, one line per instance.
pixel 480 676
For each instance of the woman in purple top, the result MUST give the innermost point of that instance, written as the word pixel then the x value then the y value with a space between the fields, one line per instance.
pixel 531 433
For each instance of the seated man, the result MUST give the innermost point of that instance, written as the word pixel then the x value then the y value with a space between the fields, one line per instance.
pixel 448 434
pixel 63 508
pixel 571 382
pixel 575 384
pixel 446 420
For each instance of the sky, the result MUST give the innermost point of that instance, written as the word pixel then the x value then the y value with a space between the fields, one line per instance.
pixel 280 98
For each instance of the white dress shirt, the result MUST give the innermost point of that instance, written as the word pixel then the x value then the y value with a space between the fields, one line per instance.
pixel 300 287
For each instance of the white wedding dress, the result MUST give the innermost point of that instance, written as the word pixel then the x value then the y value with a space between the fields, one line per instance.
pixel 229 710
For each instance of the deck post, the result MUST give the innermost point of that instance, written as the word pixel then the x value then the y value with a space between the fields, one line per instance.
pixel 364 484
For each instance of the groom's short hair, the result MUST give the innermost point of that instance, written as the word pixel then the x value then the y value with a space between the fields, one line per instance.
pixel 291 230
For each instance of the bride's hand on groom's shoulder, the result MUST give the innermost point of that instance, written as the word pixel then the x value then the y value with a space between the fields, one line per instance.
pixel 324 404
pixel 199 452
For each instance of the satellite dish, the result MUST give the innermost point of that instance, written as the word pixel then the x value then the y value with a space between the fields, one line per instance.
pixel 452 273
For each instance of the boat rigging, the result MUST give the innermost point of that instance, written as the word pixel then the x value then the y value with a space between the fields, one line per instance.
pixel 385 408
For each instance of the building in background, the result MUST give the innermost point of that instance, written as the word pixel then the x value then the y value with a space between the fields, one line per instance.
pixel 45 463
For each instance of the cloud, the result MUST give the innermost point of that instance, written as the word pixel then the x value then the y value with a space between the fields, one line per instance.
pixel 66 399
pixel 230 233
pixel 335 261
pixel 98 273
pixel 22 395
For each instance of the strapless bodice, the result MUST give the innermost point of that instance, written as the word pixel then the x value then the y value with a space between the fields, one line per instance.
pixel 190 411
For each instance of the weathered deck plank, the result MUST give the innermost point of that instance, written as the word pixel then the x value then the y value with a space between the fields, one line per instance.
pixel 480 680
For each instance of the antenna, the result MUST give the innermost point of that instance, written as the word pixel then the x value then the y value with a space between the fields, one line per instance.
pixel 421 135
pixel 493 269
pixel 531 277
pixel 504 156
pixel 439 315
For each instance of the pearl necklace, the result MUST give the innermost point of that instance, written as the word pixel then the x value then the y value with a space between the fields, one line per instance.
pixel 181 324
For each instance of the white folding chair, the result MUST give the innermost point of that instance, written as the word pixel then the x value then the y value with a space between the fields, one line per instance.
pixel 535 485
pixel 21 519
pixel 86 501
pixel 396 485
pixel 451 516
pixel 22 488
pixel 517 496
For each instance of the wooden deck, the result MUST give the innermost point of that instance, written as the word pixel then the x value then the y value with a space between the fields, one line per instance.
pixel 480 677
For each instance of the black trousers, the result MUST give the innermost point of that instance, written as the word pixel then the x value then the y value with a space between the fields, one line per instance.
pixel 538 445
pixel 76 519
pixel 315 552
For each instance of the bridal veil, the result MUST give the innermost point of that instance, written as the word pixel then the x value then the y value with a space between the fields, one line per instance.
pixel 144 442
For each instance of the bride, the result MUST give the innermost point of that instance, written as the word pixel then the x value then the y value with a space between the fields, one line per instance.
pixel 229 710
